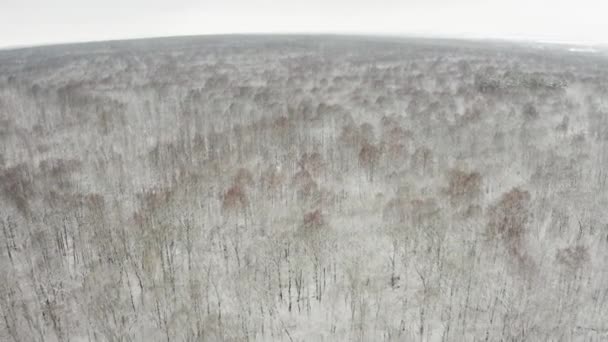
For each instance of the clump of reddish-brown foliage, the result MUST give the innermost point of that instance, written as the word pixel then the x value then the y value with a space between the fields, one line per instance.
pixel 234 199
pixel 463 187
pixel 508 220
pixel 313 221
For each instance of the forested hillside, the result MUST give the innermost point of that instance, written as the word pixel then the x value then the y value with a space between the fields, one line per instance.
pixel 301 188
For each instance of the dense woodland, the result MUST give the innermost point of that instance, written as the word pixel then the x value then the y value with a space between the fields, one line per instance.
pixel 295 188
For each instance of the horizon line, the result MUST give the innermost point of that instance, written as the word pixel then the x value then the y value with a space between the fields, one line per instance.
pixel 410 35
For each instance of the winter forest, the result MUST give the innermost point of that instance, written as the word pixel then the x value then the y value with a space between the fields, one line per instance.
pixel 303 188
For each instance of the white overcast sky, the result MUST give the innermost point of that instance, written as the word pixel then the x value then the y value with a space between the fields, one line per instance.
pixel 30 22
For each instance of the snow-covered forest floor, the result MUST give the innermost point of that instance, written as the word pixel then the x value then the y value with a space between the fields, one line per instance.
pixel 301 188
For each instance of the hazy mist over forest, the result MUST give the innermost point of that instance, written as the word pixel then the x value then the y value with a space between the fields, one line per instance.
pixel 303 171
pixel 34 22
